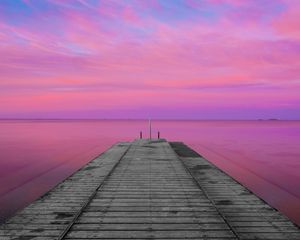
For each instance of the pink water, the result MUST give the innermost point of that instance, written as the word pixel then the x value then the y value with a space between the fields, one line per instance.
pixel 262 155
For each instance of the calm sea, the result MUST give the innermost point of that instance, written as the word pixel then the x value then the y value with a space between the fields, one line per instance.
pixel 262 155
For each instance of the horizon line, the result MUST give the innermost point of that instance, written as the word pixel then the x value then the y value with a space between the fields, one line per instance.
pixel 161 119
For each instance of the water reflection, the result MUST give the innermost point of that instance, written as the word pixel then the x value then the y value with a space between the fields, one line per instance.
pixel 263 155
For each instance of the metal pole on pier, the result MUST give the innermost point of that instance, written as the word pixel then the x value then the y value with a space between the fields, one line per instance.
pixel 150 134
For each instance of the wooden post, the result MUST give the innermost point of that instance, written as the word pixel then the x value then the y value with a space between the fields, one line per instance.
pixel 158 135
pixel 141 134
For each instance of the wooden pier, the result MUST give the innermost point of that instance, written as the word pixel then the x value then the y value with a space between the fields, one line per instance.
pixel 149 190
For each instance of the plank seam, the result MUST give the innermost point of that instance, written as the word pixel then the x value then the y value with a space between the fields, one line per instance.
pixel 91 197
pixel 205 193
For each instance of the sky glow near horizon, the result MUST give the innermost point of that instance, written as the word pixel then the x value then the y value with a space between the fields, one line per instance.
pixel 209 59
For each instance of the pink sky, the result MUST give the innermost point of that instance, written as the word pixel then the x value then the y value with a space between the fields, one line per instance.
pixel 211 59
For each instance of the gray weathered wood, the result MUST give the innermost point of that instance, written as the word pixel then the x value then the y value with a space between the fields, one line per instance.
pixel 145 190
pixel 248 215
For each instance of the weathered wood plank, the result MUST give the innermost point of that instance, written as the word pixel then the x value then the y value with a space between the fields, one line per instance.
pixel 150 220
pixel 171 234
pixel 154 226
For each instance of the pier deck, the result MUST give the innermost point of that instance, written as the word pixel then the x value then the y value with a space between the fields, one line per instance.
pixel 149 190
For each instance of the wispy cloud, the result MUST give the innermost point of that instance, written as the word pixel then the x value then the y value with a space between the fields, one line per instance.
pixel 210 53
